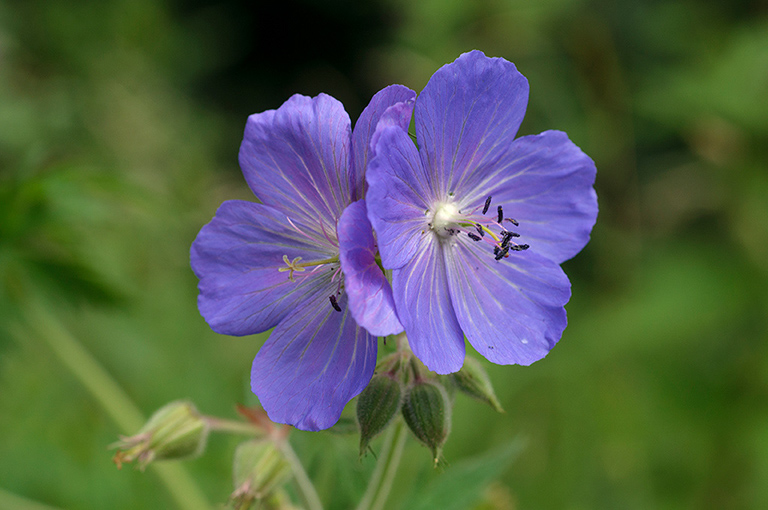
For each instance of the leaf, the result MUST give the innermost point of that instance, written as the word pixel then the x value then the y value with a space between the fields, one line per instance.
pixel 462 484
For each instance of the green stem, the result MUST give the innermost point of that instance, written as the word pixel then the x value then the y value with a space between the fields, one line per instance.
pixel 234 427
pixel 112 399
pixel 384 474
pixel 10 501
pixel 306 489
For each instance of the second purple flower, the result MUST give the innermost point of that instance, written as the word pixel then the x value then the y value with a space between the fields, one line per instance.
pixel 301 261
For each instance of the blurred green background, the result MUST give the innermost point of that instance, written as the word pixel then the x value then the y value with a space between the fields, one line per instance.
pixel 120 122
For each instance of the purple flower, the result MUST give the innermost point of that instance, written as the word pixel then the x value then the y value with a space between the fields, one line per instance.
pixel 301 261
pixel 474 223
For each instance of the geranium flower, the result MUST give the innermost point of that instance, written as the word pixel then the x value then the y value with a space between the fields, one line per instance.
pixel 301 261
pixel 474 223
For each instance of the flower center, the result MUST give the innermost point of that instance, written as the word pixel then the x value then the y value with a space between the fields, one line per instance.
pixel 445 220
pixel 448 222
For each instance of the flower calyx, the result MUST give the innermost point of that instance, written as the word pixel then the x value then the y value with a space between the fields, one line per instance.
pixel 377 407
pixel 260 470
pixel 175 431
pixel 473 380
pixel 427 412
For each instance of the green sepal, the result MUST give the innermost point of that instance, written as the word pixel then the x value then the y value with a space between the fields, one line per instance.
pixel 377 406
pixel 473 380
pixel 427 412
pixel 259 470
pixel 175 431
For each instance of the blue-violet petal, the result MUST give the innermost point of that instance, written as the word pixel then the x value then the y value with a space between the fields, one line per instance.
pixel 424 305
pixel 546 183
pixel 297 159
pixel 368 291
pixel 366 126
pixel 466 117
pixel 238 257
pixel 314 362
pixel 511 310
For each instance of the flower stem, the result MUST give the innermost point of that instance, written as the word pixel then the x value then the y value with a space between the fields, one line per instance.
pixel 234 427
pixel 110 396
pixel 384 474
pixel 306 489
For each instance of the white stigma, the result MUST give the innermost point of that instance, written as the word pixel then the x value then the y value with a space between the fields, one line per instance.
pixel 445 219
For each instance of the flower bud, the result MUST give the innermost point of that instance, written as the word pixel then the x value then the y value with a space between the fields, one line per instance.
pixel 259 470
pixel 377 405
pixel 175 431
pixel 427 412
pixel 474 381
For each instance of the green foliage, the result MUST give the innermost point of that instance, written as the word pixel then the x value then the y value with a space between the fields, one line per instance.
pixel 462 485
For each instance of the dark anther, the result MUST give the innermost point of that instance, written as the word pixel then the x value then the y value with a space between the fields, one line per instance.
pixel 507 236
pixel 474 237
pixel 500 254
pixel 512 221
pixel 480 230
pixel 487 205
pixel 519 247
pixel 496 250
pixel 334 303
pixel 501 214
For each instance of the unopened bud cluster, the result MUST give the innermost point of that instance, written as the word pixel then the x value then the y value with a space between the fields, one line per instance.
pixel 402 384
pixel 260 471
pixel 175 431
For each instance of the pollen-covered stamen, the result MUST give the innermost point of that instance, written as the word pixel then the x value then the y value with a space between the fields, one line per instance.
pixel 487 205
pixel 499 237
pixel 448 221
pixel 334 303
pixel 506 237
